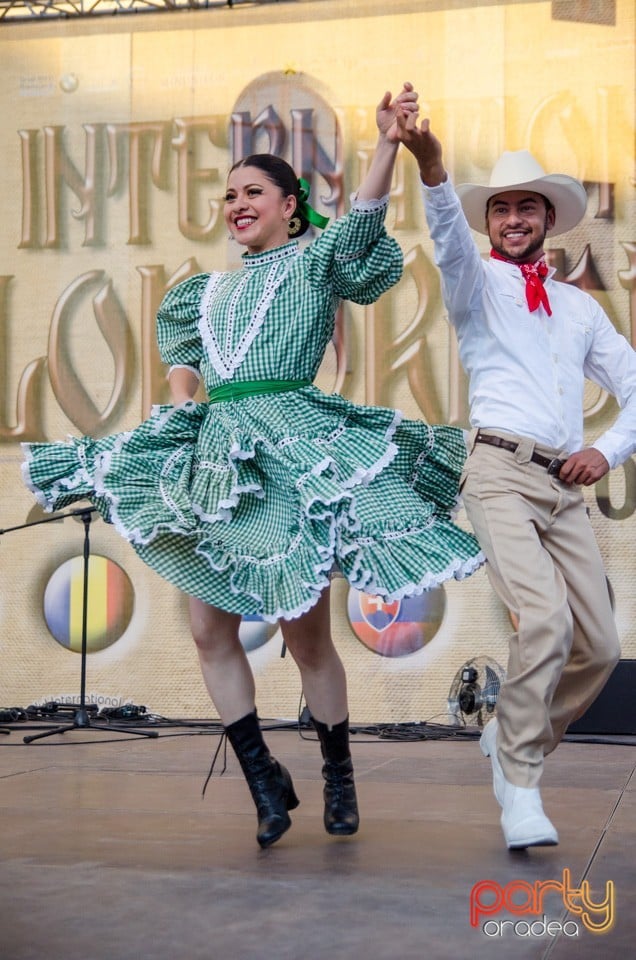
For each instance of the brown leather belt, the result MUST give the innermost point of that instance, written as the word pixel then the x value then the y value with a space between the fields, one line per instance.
pixel 552 464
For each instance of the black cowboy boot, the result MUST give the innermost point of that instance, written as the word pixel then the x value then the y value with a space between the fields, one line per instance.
pixel 341 807
pixel 269 782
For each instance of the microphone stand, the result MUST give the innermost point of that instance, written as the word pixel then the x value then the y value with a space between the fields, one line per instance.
pixel 81 719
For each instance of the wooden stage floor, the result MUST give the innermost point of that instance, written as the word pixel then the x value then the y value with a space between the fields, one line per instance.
pixel 109 852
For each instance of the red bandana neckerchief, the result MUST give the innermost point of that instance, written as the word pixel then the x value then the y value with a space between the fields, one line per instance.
pixel 534 275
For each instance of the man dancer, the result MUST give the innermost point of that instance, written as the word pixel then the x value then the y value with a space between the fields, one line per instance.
pixel 527 342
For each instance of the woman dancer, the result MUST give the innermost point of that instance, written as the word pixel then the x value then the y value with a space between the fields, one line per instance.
pixel 247 501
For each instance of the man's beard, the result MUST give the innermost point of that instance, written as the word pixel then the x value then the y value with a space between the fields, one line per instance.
pixel 533 247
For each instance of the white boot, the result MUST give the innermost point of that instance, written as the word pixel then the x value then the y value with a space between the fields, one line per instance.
pixel 523 821
pixel 488 746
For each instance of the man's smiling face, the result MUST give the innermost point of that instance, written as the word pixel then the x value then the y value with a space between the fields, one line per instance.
pixel 517 222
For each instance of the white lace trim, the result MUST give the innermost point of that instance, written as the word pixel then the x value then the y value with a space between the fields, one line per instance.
pixel 360 577
pixel 165 496
pixel 64 486
pixel 423 455
pixel 368 206
pixel 253 260
pixel 185 366
pixel 321 568
pixel 161 416
pixel 456 569
pixel 227 360
pixel 132 535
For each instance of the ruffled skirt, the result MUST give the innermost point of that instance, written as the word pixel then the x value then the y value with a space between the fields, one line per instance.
pixel 250 504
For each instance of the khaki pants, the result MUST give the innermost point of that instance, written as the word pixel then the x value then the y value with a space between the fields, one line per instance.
pixel 545 565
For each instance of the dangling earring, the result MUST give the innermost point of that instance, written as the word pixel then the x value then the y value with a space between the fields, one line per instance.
pixel 294 226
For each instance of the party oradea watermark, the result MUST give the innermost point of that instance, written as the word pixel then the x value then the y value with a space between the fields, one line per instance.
pixel 522 909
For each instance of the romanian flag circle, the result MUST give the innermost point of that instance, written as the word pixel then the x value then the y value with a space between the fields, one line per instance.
pixel 110 602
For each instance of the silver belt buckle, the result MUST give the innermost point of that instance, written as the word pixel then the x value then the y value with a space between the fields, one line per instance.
pixel 554 467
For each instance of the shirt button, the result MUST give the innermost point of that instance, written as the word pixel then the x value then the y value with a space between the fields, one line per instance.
pixel 561 391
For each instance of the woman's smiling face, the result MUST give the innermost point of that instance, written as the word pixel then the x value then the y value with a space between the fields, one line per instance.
pixel 256 212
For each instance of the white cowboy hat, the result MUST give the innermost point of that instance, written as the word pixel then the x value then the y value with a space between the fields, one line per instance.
pixel 518 170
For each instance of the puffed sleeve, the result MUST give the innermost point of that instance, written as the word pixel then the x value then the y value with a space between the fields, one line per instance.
pixel 355 255
pixel 177 323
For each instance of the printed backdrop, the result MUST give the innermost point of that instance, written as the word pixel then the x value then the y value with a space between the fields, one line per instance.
pixel 115 141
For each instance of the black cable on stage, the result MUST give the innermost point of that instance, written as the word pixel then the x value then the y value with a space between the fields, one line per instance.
pixel 41 718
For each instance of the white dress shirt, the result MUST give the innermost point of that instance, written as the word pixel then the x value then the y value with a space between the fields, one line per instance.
pixel 527 370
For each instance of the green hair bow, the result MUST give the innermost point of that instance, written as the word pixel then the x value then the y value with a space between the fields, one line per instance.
pixel 305 210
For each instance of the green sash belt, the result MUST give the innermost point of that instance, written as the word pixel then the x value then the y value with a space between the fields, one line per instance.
pixel 253 388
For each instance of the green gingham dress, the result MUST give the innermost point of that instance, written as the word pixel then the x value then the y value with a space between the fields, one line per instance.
pixel 249 503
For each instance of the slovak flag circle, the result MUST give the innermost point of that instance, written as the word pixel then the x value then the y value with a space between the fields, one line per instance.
pixel 396 628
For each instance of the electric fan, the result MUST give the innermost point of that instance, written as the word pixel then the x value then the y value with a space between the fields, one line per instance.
pixel 474 691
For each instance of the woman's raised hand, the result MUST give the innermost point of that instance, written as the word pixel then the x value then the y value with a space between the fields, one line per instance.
pixel 388 109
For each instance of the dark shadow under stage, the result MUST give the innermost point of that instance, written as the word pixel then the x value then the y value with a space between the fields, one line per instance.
pixel 109 852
